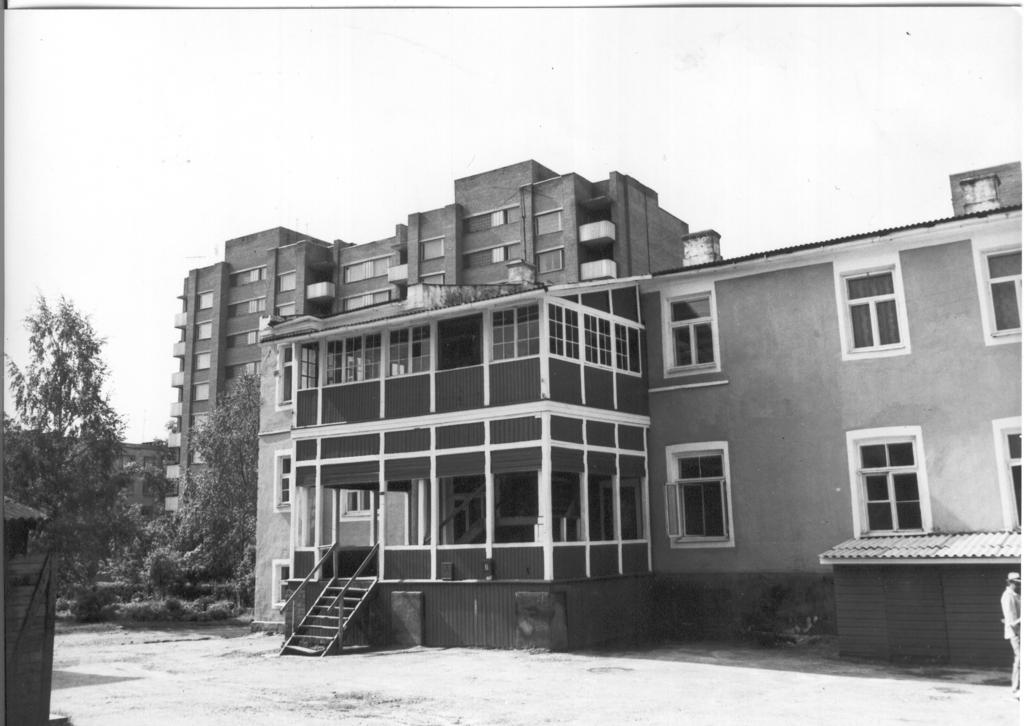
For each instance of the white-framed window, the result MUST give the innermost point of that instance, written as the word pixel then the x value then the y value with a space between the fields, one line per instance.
pixel 366 269
pixel 550 260
pixel 202 361
pixel 286 281
pixel 353 359
pixel 1006 433
pixel 356 503
pixel 432 249
pixel 698 499
pixel 361 301
pixel 283 470
pixel 308 366
pixel 285 309
pixel 597 340
pixel 248 307
pixel 249 337
pixel 627 348
pixel 280 573
pixel 435 279
pixel 872 307
pixel 563 331
pixel 515 333
pixel 286 366
pixel 691 343
pixel 201 392
pixel 246 277
pixel 409 351
pixel 888 481
pixel 204 331
pixel 1001 299
pixel 547 222
pixel 205 300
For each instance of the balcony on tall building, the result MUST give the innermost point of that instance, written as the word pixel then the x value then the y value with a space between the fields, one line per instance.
pixel 399 274
pixel 597 232
pixel 178 379
pixel 176 409
pixel 174 439
pixel 180 320
pixel 319 291
pixel 598 270
pixel 179 349
pixel 173 471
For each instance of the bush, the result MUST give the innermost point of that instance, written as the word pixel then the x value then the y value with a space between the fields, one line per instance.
pixel 94 605
pixel 220 610
pixel 141 611
pixel 173 606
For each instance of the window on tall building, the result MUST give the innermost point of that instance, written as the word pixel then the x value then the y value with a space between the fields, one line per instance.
pixel 365 270
pixel 205 300
pixel 202 361
pixel 432 249
pixel 491 256
pixel 371 298
pixel 889 483
pixel 201 392
pixel 459 342
pixel 308 373
pixel 248 307
pixel 692 331
pixel 285 309
pixel 246 277
pixel 550 261
pixel 597 341
pixel 435 279
pixel 249 337
pixel 563 331
pixel 243 369
pixel 204 331
pixel 409 351
pixel 482 222
pixel 286 281
pixel 515 333
pixel 353 359
pixel 1004 278
pixel 697 501
pixel 547 222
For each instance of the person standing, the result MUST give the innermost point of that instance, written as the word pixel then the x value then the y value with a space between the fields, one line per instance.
pixel 1011 625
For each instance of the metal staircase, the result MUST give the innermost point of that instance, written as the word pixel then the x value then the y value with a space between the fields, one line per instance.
pixel 334 614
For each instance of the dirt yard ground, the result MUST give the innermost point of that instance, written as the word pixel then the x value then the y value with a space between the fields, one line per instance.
pixel 111 675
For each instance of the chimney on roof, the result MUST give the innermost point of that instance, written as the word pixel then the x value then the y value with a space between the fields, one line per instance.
pixel 699 248
pixel 983 189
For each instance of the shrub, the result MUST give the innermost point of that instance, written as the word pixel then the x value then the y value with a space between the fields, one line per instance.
pixel 220 610
pixel 141 611
pixel 173 606
pixel 94 605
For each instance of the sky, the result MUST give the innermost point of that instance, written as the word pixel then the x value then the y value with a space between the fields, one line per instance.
pixel 137 142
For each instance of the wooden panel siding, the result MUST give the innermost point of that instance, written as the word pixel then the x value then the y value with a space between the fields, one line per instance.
pixel 341 446
pixel 566 459
pixel 604 560
pixel 570 562
pixel 396 442
pixel 973 627
pixel 616 610
pixel 509 460
pixel 452 437
pixel 407 564
pixel 460 389
pixel 860 611
pixel 634 558
pixel 631 437
pixel 352 402
pixel 417 467
pixel 914 611
pixel 565 381
pixel 567 429
pixel 600 433
pixel 305 450
pixel 632 393
pixel 304 562
pixel 599 384
pixel 516 381
pixel 305 476
pixel 624 303
pixel 460 464
pixel 305 408
pixel 509 430
pixel 467 564
pixel 519 563
pixel 407 396
pixel 356 472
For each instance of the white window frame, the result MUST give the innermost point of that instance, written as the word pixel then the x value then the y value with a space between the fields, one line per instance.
pixel 547 213
pixel 886 435
pixel 1001 428
pixel 286 281
pixel 199 330
pixel 852 266
pixel 519 344
pixel 202 361
pixel 201 296
pixel 684 294
pixel 366 268
pixel 279 476
pixel 423 247
pixel 407 358
pixel 281 403
pixel 356 513
pixel 195 390
pixel 982 248
pixel 276 581
pixel 681 451
pixel 561 260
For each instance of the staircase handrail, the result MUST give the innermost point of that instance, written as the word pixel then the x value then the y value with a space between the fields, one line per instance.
pixel 362 566
pixel 306 579
pixel 339 601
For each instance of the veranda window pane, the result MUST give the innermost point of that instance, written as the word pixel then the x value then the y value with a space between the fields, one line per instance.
pixel 1013 442
pixel 565 507
pixel 909 515
pixel 515 507
pixel 691 309
pixel 683 350
pixel 693 510
pixel 873 456
pixel 860 316
pixel 879 516
pixel 901 454
pixel 888 326
pixel 1004 265
pixel 705 347
pixel 870 286
pixel 631 509
pixel 1005 305
pixel 399 352
pixel 600 501
pixel 877 488
pixel 905 487
pixel 714 511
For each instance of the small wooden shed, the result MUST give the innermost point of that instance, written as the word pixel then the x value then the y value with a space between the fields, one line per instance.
pixel 929 597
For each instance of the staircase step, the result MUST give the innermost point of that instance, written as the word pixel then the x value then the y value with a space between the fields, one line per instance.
pixel 300 650
pixel 308 629
pixel 315 638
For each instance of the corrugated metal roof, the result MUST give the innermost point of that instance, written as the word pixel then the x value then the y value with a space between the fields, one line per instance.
pixel 837 240
pixel 966 545
pixel 13 511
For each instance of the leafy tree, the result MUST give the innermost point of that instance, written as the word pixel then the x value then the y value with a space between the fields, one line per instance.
pixel 61 450
pixel 218 499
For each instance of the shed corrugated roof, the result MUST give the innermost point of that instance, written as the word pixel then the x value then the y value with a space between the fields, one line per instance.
pixel 966 545
pixel 14 511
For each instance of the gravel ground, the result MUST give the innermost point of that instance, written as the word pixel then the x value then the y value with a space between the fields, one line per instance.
pixel 223 674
